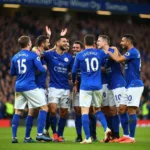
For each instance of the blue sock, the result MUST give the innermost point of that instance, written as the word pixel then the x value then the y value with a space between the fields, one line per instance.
pixel 132 124
pixel 15 123
pixel 115 125
pixel 93 122
pixel 47 124
pixel 78 124
pixel 61 126
pixel 125 123
pixel 109 122
pixel 100 117
pixel 29 123
pixel 53 123
pixel 41 121
pixel 86 125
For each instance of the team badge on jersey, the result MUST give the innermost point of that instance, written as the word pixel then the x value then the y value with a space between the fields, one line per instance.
pixel 127 53
pixel 38 58
pixel 66 59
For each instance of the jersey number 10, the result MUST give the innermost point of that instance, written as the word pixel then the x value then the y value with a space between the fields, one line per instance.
pixel 22 68
pixel 90 64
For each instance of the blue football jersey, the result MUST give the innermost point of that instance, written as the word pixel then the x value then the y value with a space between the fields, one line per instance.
pixel 40 78
pixel 133 68
pixel 58 66
pixel 114 73
pixel 23 66
pixel 89 61
pixel 104 78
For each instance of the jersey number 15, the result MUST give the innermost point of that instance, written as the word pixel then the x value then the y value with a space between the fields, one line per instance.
pixel 22 68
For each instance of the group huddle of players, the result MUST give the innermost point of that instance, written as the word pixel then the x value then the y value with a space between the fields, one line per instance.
pixel 100 90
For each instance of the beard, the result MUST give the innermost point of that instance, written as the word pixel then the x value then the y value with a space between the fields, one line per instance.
pixel 62 48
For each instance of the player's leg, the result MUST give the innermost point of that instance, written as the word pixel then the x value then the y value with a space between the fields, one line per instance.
pixel 78 121
pixel 62 123
pixel 93 122
pixel 85 102
pixel 32 112
pixel 36 98
pixel 123 114
pixel 53 99
pixel 134 96
pixel 64 107
pixel 53 119
pixel 113 105
pixel 97 98
pixel 20 103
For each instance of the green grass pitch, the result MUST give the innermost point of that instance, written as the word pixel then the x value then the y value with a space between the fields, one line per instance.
pixel 142 141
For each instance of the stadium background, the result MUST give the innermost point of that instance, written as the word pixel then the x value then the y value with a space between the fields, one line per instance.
pixel 111 17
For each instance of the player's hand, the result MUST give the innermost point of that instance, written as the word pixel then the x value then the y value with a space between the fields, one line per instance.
pixel 63 32
pixel 48 31
pixel 45 67
pixel 116 52
pixel 75 89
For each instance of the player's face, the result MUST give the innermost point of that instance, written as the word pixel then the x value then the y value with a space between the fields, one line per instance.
pixel 63 44
pixel 76 48
pixel 67 47
pixel 30 44
pixel 124 43
pixel 100 43
pixel 46 44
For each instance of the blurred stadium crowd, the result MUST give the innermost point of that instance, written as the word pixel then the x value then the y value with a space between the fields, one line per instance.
pixel 13 27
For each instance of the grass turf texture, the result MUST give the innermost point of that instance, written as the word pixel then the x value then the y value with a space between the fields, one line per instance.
pixel 142 141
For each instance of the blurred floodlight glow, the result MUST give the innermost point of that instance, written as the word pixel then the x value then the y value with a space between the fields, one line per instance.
pixel 11 5
pixel 146 16
pixel 59 9
pixel 103 12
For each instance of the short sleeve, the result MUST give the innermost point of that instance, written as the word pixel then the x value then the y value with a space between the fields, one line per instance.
pixel 131 54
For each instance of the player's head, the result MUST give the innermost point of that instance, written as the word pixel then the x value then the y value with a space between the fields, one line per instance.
pixel 43 41
pixel 25 42
pixel 103 40
pixel 61 43
pixel 77 47
pixel 89 40
pixel 127 41
pixel 67 46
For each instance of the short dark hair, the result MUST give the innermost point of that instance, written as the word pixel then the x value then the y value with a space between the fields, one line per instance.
pixel 130 37
pixel 59 37
pixel 89 40
pixel 80 43
pixel 41 39
pixel 106 38
pixel 24 41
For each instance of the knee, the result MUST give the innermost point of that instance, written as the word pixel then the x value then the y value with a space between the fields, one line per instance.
pixel 45 108
pixel 122 109
pixel 113 110
pixel 131 110
pixel 63 113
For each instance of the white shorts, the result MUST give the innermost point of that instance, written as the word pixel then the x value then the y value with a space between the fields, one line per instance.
pixel 75 100
pixel 90 97
pixel 59 96
pixel 108 97
pixel 120 96
pixel 134 96
pixel 34 98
